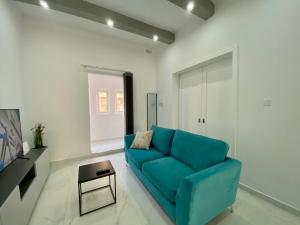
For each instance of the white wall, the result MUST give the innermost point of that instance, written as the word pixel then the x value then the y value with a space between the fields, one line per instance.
pixel 56 88
pixel 110 124
pixel 267 34
pixel 10 56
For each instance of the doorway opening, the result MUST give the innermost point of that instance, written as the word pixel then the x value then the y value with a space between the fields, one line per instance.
pixel 106 106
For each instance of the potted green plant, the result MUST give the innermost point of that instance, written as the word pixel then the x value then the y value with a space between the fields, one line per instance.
pixel 38 132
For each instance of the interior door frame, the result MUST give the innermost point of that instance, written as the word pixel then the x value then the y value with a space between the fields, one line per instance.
pixel 127 90
pixel 201 62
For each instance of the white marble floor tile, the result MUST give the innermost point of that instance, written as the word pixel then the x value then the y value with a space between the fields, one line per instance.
pixel 58 203
pixel 107 145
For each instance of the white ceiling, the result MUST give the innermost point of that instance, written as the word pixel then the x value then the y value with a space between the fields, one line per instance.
pixel 159 13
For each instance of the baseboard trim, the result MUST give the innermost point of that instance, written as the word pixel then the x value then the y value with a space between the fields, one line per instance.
pixel 285 206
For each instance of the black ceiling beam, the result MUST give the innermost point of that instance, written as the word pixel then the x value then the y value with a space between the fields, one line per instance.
pixel 203 8
pixel 99 14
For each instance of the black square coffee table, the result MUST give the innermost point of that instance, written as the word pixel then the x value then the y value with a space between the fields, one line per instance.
pixel 88 173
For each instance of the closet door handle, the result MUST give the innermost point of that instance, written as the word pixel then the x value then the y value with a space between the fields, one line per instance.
pixel 199 120
pixel 203 120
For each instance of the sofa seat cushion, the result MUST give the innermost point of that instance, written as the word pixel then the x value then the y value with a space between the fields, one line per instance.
pixel 166 175
pixel 162 139
pixel 139 156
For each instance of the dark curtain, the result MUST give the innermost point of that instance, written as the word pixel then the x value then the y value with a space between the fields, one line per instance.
pixel 128 102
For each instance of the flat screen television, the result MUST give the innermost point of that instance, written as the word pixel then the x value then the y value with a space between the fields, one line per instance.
pixel 11 144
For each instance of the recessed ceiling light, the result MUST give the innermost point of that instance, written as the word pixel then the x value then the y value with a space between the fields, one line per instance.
pixel 110 23
pixel 155 37
pixel 44 4
pixel 190 6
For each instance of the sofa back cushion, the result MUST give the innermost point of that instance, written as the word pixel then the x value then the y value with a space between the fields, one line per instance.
pixel 162 139
pixel 199 152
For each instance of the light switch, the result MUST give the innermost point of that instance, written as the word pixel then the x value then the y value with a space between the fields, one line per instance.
pixel 267 102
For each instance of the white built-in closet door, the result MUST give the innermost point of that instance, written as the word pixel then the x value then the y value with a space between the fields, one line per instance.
pixel 219 108
pixel 190 102
pixel 207 102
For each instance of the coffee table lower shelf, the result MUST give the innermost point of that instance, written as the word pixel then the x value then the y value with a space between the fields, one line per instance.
pixel 113 193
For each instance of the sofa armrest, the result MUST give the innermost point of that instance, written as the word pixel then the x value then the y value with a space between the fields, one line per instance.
pixel 128 139
pixel 205 194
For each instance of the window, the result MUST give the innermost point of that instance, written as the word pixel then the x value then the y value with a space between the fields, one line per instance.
pixel 102 102
pixel 119 102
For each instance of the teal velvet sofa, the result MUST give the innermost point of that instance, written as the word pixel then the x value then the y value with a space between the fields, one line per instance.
pixel 189 175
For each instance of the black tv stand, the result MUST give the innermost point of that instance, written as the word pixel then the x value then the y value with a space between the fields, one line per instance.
pixel 20 186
